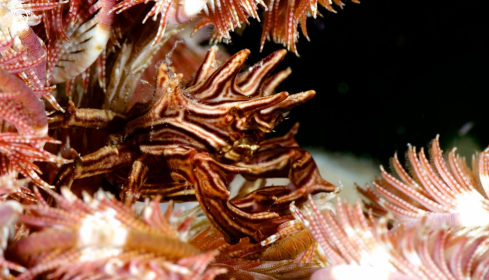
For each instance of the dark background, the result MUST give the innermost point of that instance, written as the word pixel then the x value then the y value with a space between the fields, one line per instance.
pixel 388 73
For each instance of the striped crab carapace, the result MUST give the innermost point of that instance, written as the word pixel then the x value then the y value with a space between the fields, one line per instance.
pixel 190 141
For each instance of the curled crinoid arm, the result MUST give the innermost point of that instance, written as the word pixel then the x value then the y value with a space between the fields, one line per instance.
pixel 22 150
pixel 20 106
pixel 88 33
pixel 85 238
pixel 227 15
pixel 443 190
pixel 133 59
pixel 22 52
pixel 353 244
pixel 51 15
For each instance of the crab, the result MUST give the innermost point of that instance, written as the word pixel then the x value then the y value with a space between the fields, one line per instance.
pixel 190 141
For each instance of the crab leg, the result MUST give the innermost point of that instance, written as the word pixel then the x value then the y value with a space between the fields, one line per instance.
pixel 102 161
pixel 131 190
pixel 86 118
pixel 282 158
pixel 158 183
pixel 211 190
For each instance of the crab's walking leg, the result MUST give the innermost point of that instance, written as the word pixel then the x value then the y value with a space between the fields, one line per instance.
pixel 211 190
pixel 281 158
pixel 131 190
pixel 87 118
pixel 102 161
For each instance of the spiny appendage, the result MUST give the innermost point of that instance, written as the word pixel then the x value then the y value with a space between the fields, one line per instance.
pixel 280 22
pixel 23 54
pixel 82 237
pixel 170 11
pixel 353 244
pixel 283 17
pixel 21 151
pixel 441 190
pixel 88 32
pixel 226 15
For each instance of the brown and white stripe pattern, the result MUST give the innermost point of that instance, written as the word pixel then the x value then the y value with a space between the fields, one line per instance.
pixel 193 141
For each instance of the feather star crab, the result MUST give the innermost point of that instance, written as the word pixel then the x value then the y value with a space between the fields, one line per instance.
pixel 192 140
pixel 188 142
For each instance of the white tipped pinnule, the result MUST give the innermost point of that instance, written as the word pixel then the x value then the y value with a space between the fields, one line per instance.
pixel 81 54
pixel 440 189
pixel 87 43
pixel 184 10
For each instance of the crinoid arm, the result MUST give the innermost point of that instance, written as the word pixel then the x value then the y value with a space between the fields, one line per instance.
pixel 19 152
pixel 280 21
pixel 170 11
pixel 100 232
pixel 20 106
pixel 440 190
pixel 87 32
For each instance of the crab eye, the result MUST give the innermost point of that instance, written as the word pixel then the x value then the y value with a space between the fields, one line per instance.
pixel 231 114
